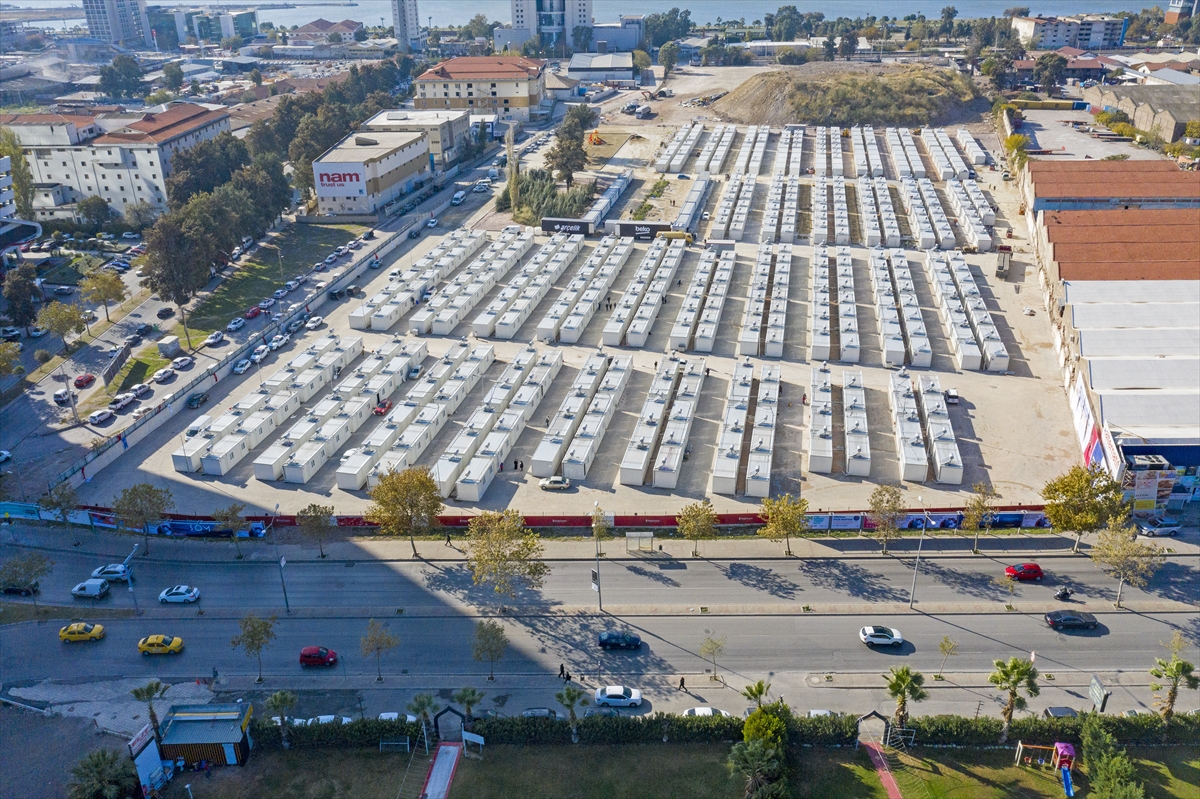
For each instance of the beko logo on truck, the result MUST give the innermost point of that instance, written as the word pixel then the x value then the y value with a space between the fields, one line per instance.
pixel 330 178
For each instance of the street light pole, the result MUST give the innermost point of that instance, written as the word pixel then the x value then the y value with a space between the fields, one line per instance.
pixel 912 594
pixel 596 538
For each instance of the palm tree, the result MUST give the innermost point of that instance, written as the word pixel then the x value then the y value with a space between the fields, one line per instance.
pixel 757 693
pixel 1012 677
pixel 756 762
pixel 905 685
pixel 422 706
pixel 148 693
pixel 281 702
pixel 103 774
pixel 1173 672
pixel 468 698
pixel 569 697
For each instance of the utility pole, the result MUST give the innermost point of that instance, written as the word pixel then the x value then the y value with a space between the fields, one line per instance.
pixel 912 594
pixel 596 571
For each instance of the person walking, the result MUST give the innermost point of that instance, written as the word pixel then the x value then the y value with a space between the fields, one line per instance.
pixel 681 685
pixel 568 677
pixel 562 671
pixel 448 540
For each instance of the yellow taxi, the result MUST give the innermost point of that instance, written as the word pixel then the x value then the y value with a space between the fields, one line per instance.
pixel 160 645
pixel 81 631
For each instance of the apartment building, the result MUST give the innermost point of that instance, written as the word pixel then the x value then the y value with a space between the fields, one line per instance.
pixel 124 158
pixel 511 86
pixel 1087 32
pixel 551 21
pixel 1181 9
pixel 120 22
pixel 406 23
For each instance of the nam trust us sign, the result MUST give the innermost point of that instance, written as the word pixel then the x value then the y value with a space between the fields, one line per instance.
pixel 345 183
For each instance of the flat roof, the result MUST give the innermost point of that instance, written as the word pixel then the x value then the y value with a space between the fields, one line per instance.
pixel 601 61
pixel 1125 271
pixel 206 724
pixel 1128 374
pixel 1139 343
pixel 419 117
pixel 1101 316
pixel 372 146
pixel 1130 291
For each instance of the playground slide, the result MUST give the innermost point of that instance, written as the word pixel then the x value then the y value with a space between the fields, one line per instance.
pixel 1068 788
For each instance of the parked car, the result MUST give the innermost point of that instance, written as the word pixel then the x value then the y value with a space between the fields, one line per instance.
pixel 163 375
pixel 140 412
pixel 331 259
pixel 705 711
pixel 113 572
pixel 1070 620
pixel 81 631
pixel 241 366
pixel 20 588
pixel 85 380
pixel 383 407
pixel 328 720
pixel 140 389
pixel 393 716
pixel 314 323
pixel 267 303
pixel 601 711
pixel 951 395
pixel 318 656
pixel 63 291
pixel 101 416
pixel 880 636
pixel 279 294
pixel 165 312
pixel 414 233
pixel 121 401
pixel 432 223
pixel 618 696
pixel 183 362
pixel 555 483
pixel 259 353
pixel 1060 713
pixel 613 639
pixel 539 713
pixel 144 329
pixel 215 337
pixel 160 645
pixel 197 399
pixel 1156 526
pixel 279 341
pixel 253 312
pixel 179 593
pixel 62 396
pixel 1024 571
pixel 37 332
pixel 10 333
pixel 91 589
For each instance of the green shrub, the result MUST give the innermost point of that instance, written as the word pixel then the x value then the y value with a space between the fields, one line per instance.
pixel 1110 118
pixel 1141 730
pixel 43 356
pixel 762 726
pixel 612 729
pixel 364 732
pixel 955 730
pixel 1123 129
pixel 836 730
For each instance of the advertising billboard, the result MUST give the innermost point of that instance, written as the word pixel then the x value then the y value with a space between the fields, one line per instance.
pixel 558 225
pixel 339 180
pixel 642 230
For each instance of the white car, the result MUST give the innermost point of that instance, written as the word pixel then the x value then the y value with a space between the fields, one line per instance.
pixel 113 571
pixel 62 396
pixel 1156 526
pixel 241 366
pixel 180 593
pixel 236 324
pixel 267 303
pixel 5 456
pixel 259 353
pixel 140 412
pixel 354 245
pixel 102 415
pixel 215 337
pixel 140 390
pixel 396 717
pixel 37 332
pixel 298 279
pixel 331 259
pixel 279 341
pixel 121 401
pixel 314 323
pixel 183 362
pixel 163 375
pixel 328 720
pixel 555 483
pixel 704 711
pixel 432 223
pixel 880 636
pixel 279 294
pixel 618 696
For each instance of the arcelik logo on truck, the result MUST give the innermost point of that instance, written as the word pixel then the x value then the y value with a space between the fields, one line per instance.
pixel 337 178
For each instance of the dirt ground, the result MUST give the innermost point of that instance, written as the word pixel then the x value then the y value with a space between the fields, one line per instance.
pixel 58 744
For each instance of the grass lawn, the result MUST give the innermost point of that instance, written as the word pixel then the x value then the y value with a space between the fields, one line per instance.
pixel 304 774
pixel 833 774
pixel 15 612
pixel 140 367
pixel 254 279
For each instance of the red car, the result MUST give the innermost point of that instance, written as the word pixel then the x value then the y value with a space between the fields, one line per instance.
pixel 383 407
pixel 253 312
pixel 317 656
pixel 83 381
pixel 1024 571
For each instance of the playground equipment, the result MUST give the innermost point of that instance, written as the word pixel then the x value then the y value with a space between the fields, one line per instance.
pixel 1062 759
pixel 594 138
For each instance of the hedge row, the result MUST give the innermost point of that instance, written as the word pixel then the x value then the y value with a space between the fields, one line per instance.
pixel 838 730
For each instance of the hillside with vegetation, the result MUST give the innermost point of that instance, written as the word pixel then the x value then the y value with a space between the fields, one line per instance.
pixel 851 95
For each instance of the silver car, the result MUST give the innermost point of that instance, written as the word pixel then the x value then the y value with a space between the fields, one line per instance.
pixel 618 696
pixel 880 636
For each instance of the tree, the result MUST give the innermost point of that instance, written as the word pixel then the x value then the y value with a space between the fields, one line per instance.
pixel 1011 678
pixel 103 287
pixel 1173 673
pixel 230 519
pixel 1119 553
pixel 695 522
pixel 1016 11
pixel 948 647
pixel 489 644
pixel 886 511
pixel 668 57
pixel 140 215
pixel 585 116
pixel 103 774
pixel 569 697
pixel 20 289
pixel 316 522
pixel 758 764
pixel 377 642
pixel 255 77
pixel 567 157
pixel 1082 501
pixel 122 78
pixel 177 262
pixel 601 529
pixel 233 43
pixel 422 706
pixel 62 319
pixel 468 698
pixel 255 636
pixel 948 15
pixel 979 512
pixel 22 176
pixel 847 44
pixel 1049 70
pixel 1110 772
pixel 502 553
pixel 1000 71
pixel 172 76
pixel 60 501
pixel 641 60
pixel 10 359
pixel 830 47
pixel 148 693
pixel 581 35
pixel 757 692
pixel 405 503
pixel 905 685
pixel 26 570
pixel 662 28
pixel 712 648
pixel 786 517
pixel 282 702
pixel 135 507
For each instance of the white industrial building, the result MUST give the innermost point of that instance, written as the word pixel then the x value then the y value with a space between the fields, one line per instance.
pixel 364 172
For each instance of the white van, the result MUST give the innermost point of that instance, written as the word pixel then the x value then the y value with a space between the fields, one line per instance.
pixel 458 198
pixel 198 426
pixel 94 588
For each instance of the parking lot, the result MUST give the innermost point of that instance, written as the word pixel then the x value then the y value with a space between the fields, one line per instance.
pixel 1012 429
pixel 1049 130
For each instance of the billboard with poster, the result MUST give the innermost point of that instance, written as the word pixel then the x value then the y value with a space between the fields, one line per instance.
pixel 339 180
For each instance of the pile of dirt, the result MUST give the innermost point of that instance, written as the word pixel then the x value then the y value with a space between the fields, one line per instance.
pixel 851 94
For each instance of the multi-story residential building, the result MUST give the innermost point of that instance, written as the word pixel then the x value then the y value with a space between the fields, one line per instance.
pixel 321 30
pixel 8 202
pixel 1181 9
pixel 550 21
pixel 1088 32
pixel 124 158
pixel 120 22
pixel 511 86
pixel 12 230
pixel 406 22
